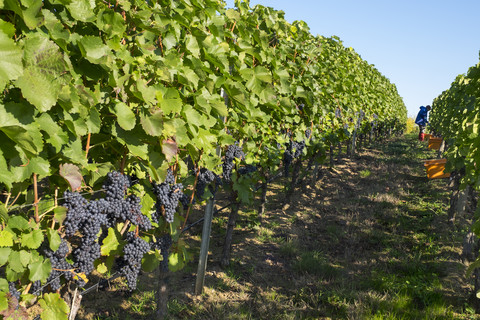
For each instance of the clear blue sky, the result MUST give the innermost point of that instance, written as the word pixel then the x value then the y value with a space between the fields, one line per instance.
pixel 420 45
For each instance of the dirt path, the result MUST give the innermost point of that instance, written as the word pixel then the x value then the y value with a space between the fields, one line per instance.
pixel 370 241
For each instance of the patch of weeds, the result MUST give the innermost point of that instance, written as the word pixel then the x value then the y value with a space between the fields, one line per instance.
pixel 176 307
pixel 314 262
pixel 252 219
pixel 289 248
pixel 221 285
pixel 267 235
pixel 143 302
pixel 335 232
pixel 365 173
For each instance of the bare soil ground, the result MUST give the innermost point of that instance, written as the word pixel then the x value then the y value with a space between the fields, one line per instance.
pixel 371 240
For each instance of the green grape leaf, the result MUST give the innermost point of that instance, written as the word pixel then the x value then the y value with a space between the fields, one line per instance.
pixel 39 270
pixel 32 240
pixel 53 132
pixel 192 45
pixel 3 210
pixel 3 299
pixel 151 261
pixel 6 238
pixel 7 28
pixel 102 268
pixel 31 15
pixel 15 263
pixel 54 307
pixel 75 152
pixel 82 10
pixel 175 261
pixel 3 285
pixel 11 66
pixel 152 123
pixel 111 243
pixel 59 214
pixel 54 239
pixel 94 122
pixel 44 65
pixel 93 49
pixel 4 253
pixel 18 222
pixel 169 100
pixel 125 116
pixel 7 179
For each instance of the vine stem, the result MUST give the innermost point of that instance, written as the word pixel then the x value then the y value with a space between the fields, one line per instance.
pixel 191 198
pixel 14 200
pixel 55 205
pixel 124 159
pixel 27 288
pixel 88 145
pixel 125 227
pixel 35 191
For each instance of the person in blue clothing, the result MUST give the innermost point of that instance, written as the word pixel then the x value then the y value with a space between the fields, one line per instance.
pixel 422 120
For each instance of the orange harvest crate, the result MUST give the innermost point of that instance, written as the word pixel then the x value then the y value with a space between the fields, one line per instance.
pixel 435 169
pixel 427 136
pixel 434 143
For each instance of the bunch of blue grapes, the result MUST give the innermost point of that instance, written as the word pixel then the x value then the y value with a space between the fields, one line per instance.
pixel 36 288
pixel 168 194
pixel 233 151
pixel 86 219
pixel 205 178
pixel 116 185
pixel 13 290
pixel 298 146
pixel 60 266
pixel 287 159
pixel 163 244
pixel 308 133
pixel 76 206
pixel 133 253
pixel 249 168
pixel 134 214
pixel 293 151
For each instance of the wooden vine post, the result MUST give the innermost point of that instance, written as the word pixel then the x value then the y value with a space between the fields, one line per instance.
pixel 207 227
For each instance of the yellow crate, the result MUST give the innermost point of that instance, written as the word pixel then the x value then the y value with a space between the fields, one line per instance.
pixel 434 143
pixel 435 169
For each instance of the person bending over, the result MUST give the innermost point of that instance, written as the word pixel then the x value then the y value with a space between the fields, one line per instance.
pixel 422 120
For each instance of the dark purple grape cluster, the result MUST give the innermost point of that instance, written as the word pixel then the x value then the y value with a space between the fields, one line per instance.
pixel 298 146
pixel 287 159
pixel 13 290
pixel 163 244
pixel 168 194
pixel 293 150
pixel 87 218
pixel 249 168
pixel 205 178
pixel 134 213
pixel 233 151
pixel 60 266
pixel 338 113
pixel 85 256
pixel 133 253
pixel 116 185
pixel 36 288
pixel 185 201
pixel 76 206
pixel 308 133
